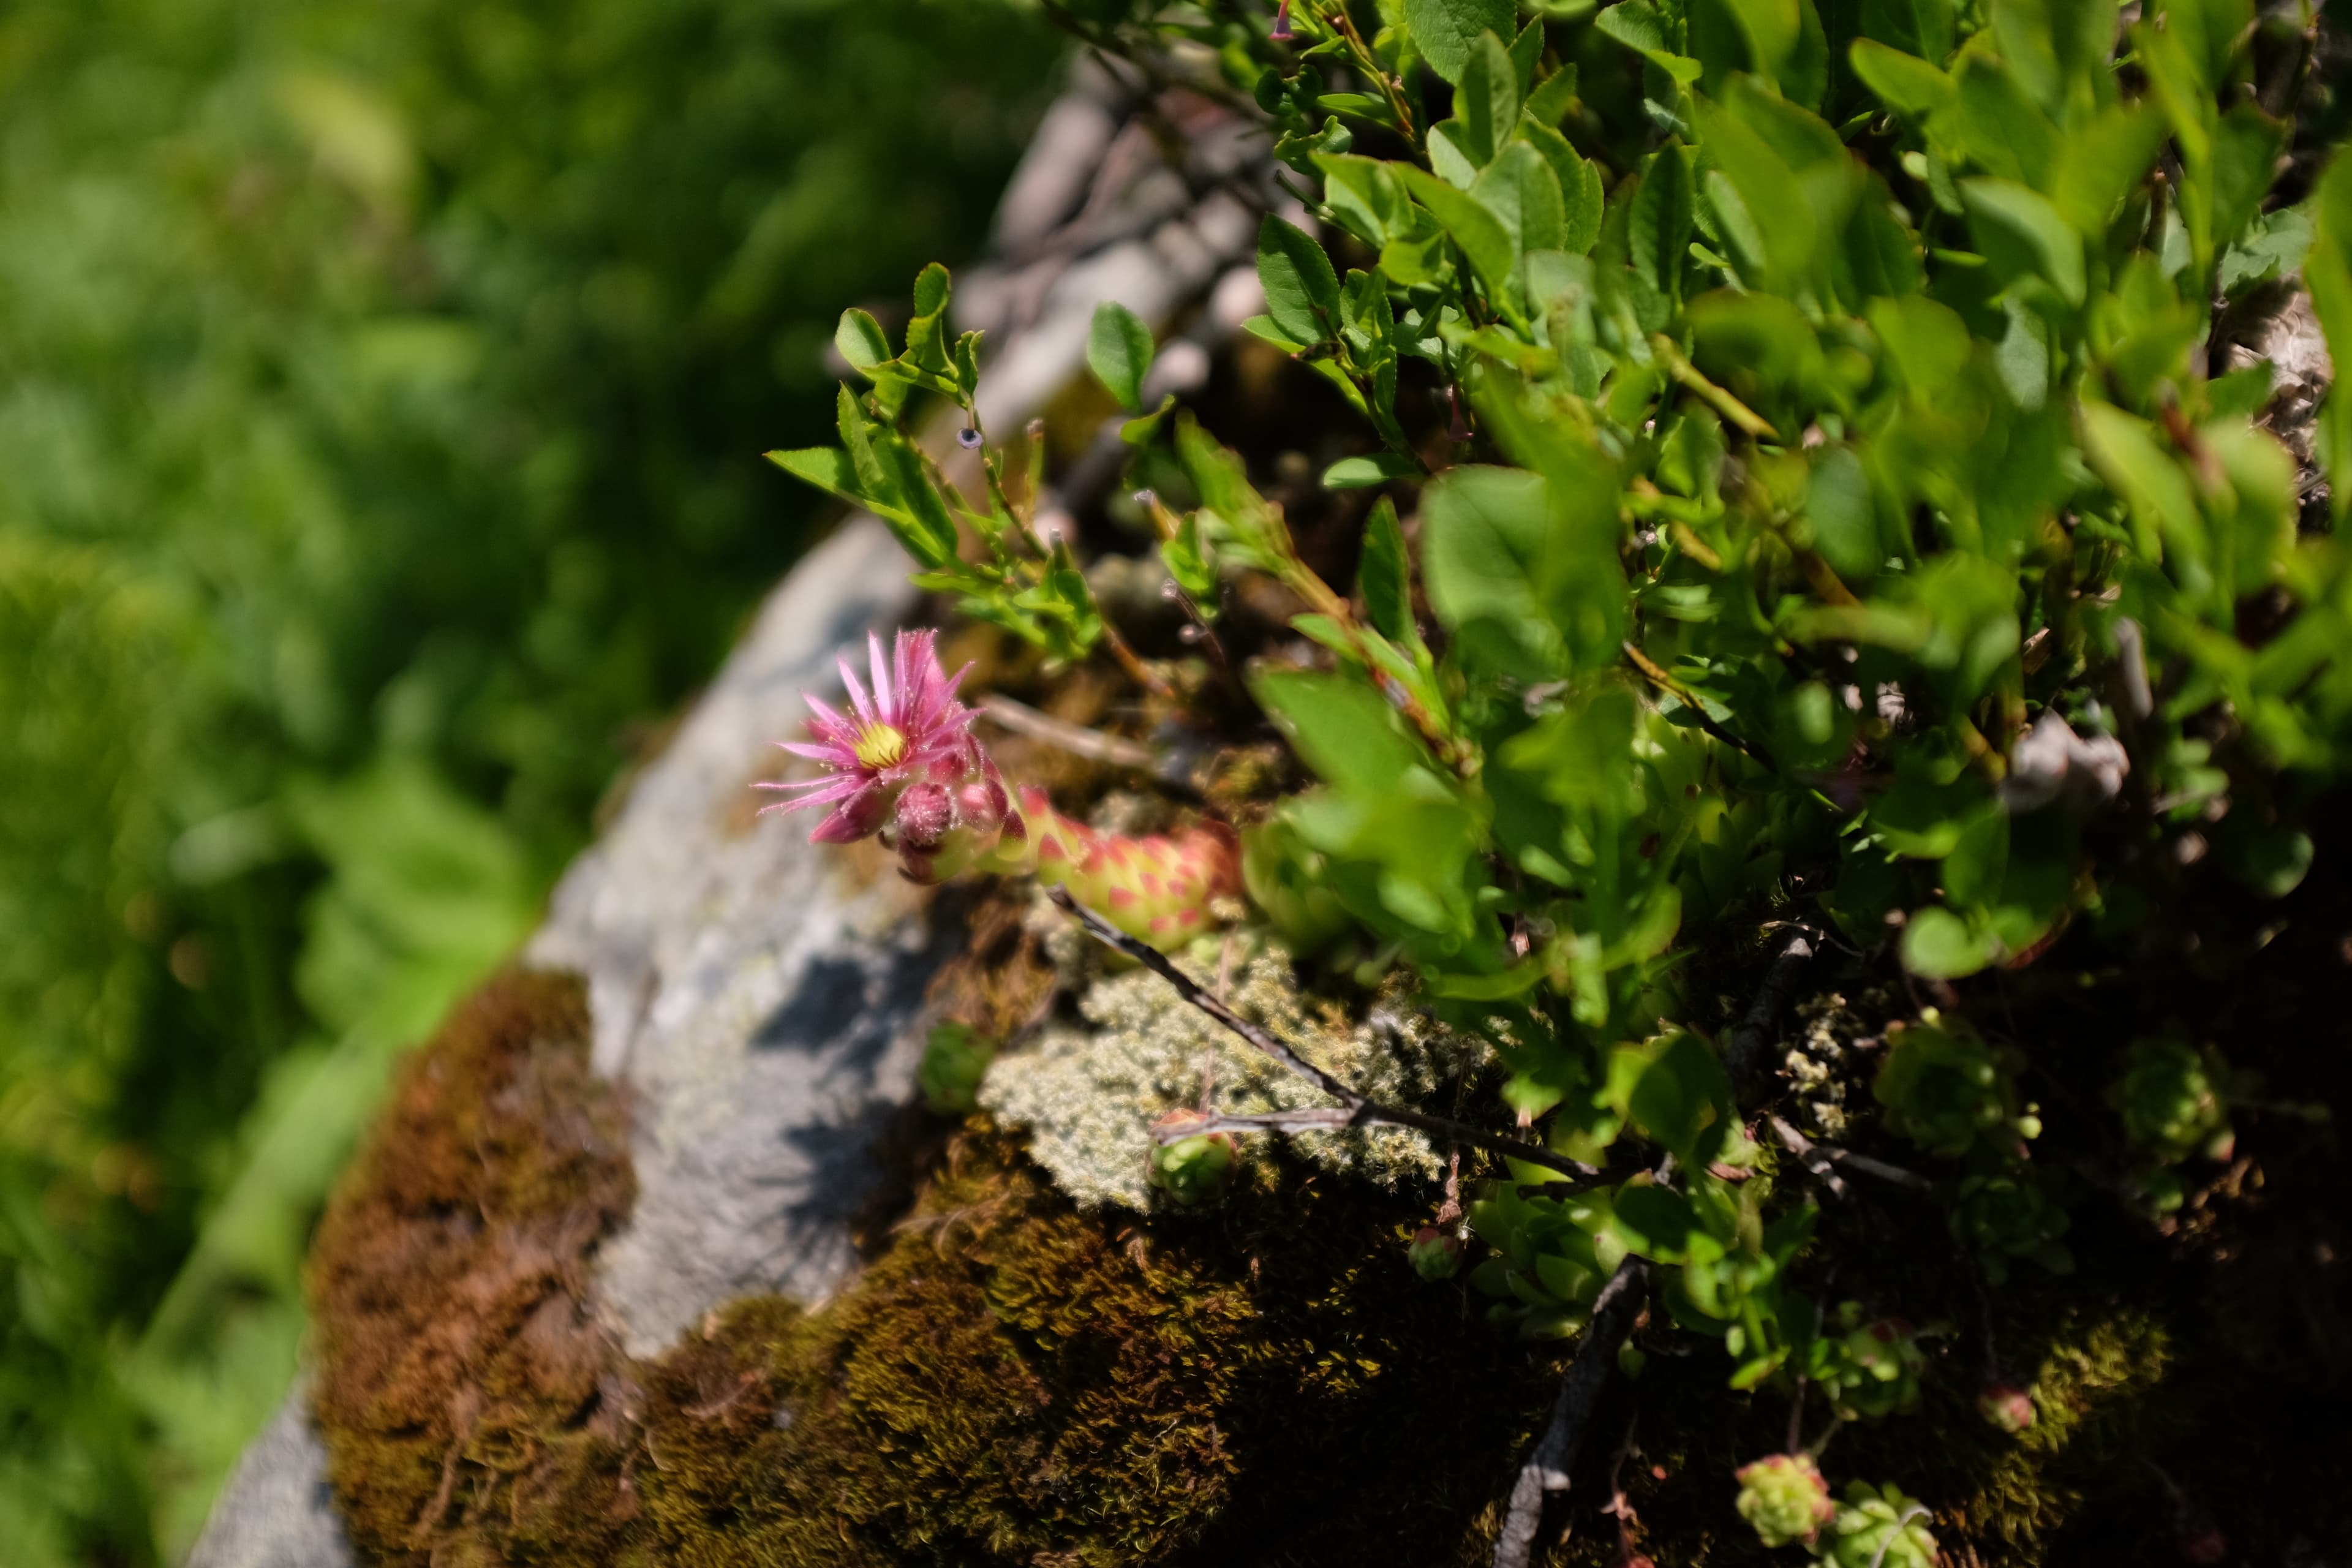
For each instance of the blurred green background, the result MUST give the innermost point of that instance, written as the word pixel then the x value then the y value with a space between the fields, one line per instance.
pixel 382 385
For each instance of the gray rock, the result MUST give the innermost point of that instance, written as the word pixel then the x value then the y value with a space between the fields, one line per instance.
pixel 275 1510
pixel 758 995
pixel 761 999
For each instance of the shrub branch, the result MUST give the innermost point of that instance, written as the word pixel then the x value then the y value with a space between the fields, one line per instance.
pixel 1354 1110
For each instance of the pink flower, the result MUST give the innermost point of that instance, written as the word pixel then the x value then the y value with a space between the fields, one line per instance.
pixel 1282 33
pixel 909 729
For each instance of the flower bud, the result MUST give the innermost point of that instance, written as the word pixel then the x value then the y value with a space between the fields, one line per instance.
pixel 982 803
pixel 2006 1406
pixel 924 814
pixel 1191 1170
pixel 1436 1253
pixel 1784 1498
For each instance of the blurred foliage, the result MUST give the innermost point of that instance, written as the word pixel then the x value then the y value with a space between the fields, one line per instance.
pixel 384 385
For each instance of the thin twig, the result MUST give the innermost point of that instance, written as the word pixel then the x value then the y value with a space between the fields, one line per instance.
pixel 1075 739
pixel 1353 1111
pixel 1743 1052
pixel 1816 1157
pixel 1547 1469
pixel 1656 675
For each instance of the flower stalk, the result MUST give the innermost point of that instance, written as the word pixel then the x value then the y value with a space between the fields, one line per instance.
pixel 902 765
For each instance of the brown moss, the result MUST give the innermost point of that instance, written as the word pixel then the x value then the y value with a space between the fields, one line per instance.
pixel 457 1352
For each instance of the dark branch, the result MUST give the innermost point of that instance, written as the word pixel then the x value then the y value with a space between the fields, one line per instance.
pixel 1743 1053
pixel 1546 1468
pixel 1359 1111
pixel 1818 1157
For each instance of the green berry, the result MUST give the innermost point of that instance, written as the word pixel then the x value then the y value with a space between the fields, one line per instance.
pixel 1192 1171
pixel 1437 1254
pixel 1785 1499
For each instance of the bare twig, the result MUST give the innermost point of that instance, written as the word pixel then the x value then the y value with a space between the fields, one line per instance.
pixel 1743 1052
pixel 1353 1109
pixel 1656 675
pixel 1546 1468
pixel 1075 739
pixel 1817 1157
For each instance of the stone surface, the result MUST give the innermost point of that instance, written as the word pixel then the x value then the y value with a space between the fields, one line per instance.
pixel 275 1511
pixel 756 994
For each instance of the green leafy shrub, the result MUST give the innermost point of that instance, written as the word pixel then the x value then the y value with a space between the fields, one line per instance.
pixel 1825 495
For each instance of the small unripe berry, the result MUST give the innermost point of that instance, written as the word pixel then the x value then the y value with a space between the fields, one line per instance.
pixel 1192 1171
pixel 1436 1253
pixel 2007 1406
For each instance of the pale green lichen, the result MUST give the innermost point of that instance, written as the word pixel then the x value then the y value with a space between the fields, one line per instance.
pixel 1088 1096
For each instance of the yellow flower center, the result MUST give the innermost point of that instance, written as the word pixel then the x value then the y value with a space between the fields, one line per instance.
pixel 880 746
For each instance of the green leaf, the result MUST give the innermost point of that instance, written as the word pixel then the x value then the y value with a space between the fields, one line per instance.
pixel 1364 197
pixel 1448 30
pixel 1921 27
pixel 1653 1221
pixel 1383 575
pixel 861 340
pixel 1579 187
pixel 1472 226
pixel 1302 292
pixel 1482 532
pixel 1680 1096
pixel 1520 188
pixel 2000 126
pixel 827 467
pixel 2126 454
pixel 1658 225
pixel 1552 99
pixel 857 436
pixel 1118 351
pixel 2098 163
pixel 931 290
pixel 2021 233
pixel 927 531
pixel 1486 104
pixel 1378 469
pixel 1641 26
pixel 967 365
pixel 2246 145
pixel 1939 945
pixel 1341 727
pixel 1904 83
pixel 2327 273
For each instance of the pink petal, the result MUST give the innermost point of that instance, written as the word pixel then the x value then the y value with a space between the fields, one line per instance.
pixel 858 701
pixel 818 792
pixel 859 817
pixel 881 675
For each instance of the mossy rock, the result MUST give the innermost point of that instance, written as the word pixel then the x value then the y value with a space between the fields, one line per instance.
pixel 1013 1380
